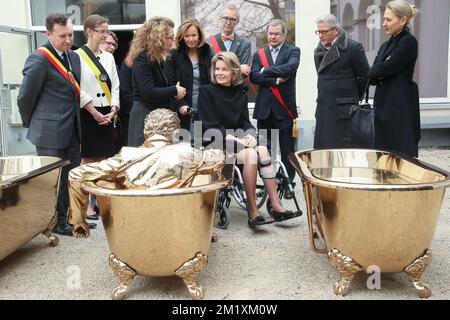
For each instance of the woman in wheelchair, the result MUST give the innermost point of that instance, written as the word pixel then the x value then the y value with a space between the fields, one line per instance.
pixel 222 106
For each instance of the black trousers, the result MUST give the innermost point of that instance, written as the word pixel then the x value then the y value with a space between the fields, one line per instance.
pixel 285 139
pixel 72 153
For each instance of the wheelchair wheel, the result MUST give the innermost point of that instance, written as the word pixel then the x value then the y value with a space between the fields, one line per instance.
pixel 261 196
pixel 223 218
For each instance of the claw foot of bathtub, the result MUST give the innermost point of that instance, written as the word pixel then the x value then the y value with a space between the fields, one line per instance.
pixel 190 271
pixel 125 274
pixel 214 238
pixel 54 240
pixel 415 272
pixel 346 267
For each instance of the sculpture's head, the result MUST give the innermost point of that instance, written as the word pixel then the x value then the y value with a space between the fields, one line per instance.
pixel 163 122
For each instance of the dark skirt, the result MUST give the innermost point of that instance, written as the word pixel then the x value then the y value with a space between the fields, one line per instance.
pixel 96 140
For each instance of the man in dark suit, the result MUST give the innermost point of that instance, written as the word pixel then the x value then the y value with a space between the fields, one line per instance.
pixel 342 68
pixel 279 75
pixel 228 40
pixel 49 105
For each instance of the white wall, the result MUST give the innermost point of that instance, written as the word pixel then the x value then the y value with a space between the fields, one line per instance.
pixel 167 8
pixel 306 12
pixel 14 13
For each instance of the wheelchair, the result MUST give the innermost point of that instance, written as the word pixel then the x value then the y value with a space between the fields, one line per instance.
pixel 237 191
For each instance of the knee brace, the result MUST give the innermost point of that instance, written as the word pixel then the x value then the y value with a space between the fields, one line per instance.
pixel 264 164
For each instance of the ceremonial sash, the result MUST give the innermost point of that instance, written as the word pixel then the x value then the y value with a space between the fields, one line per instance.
pixel 217 50
pixel 215 44
pixel 68 75
pixel 276 92
pixel 99 71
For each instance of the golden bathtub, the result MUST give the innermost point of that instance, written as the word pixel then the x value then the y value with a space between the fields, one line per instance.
pixel 159 233
pixel 372 209
pixel 27 200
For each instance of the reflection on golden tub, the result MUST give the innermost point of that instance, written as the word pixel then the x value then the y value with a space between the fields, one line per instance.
pixel 159 233
pixel 372 208
pixel 27 200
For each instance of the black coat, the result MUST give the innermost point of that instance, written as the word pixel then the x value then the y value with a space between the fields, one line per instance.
pixel 397 120
pixel 342 78
pixel 286 65
pixel 179 68
pixel 151 84
pixel 224 108
pixel 126 89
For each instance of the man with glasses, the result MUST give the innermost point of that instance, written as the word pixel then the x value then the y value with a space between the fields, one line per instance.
pixel 228 40
pixel 274 69
pixel 342 68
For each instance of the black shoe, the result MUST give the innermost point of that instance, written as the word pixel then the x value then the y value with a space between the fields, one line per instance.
pixel 92 216
pixel 63 229
pixel 92 225
pixel 286 215
pixel 258 221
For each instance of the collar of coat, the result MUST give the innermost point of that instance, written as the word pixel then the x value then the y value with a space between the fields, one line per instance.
pixel 332 55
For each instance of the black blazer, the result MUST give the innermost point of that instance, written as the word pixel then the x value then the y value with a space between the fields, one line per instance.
pixel 151 84
pixel 179 68
pixel 397 121
pixel 286 65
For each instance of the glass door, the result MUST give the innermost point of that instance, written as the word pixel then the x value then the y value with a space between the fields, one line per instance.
pixel 16 45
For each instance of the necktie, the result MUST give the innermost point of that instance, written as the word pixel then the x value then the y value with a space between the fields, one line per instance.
pixel 274 52
pixel 224 37
pixel 65 61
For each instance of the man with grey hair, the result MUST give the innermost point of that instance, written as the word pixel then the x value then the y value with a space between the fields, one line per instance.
pixel 228 40
pixel 274 69
pixel 342 68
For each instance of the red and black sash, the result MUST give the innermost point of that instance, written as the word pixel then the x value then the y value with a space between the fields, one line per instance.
pixel 67 74
pixel 276 92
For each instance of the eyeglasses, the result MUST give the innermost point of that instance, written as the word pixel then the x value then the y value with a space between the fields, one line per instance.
pixel 229 19
pixel 322 32
pixel 101 31
pixel 112 44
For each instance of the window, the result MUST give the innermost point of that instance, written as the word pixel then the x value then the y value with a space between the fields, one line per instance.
pixel 117 11
pixel 363 20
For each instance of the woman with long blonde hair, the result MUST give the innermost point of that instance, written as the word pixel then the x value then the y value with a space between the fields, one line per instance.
pixel 149 50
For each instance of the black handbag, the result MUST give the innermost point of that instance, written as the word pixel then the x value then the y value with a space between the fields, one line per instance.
pixel 361 130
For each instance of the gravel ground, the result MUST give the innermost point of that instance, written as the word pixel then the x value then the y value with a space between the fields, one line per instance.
pixel 273 262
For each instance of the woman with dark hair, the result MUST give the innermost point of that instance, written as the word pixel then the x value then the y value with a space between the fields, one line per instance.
pixel 189 65
pixel 149 50
pixel 222 106
pixel 397 120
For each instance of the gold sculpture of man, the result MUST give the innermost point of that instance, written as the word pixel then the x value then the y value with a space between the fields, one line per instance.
pixel 157 164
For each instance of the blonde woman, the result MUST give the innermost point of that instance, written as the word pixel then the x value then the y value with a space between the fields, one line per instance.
pixel 189 64
pixel 222 105
pixel 149 50
pixel 397 120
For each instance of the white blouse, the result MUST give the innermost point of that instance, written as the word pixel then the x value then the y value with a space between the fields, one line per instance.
pixel 90 88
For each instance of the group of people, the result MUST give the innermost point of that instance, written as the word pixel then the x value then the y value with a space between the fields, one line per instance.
pixel 71 99
pixel 344 76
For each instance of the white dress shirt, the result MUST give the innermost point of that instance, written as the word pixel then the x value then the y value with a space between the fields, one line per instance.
pixel 91 90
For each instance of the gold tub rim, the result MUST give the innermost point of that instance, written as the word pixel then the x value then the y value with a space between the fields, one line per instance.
pixel 58 162
pixel 306 175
